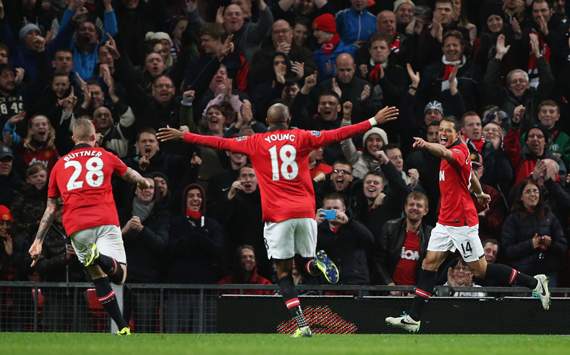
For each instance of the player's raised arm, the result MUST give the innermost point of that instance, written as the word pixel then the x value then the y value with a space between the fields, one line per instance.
pixel 386 114
pixel 327 137
pixel 45 223
pixel 231 144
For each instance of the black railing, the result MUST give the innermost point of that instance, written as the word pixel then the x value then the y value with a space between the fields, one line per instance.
pixel 45 306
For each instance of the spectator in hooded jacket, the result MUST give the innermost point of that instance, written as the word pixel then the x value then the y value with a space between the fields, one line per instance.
pixel 194 255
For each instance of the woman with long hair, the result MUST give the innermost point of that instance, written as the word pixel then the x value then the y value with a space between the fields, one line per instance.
pixel 532 239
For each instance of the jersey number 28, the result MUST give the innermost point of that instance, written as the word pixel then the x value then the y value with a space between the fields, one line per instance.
pixel 94 176
pixel 288 167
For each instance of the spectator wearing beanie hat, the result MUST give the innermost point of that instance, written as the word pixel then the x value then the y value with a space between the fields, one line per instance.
pixel 161 43
pixel 366 160
pixel 28 52
pixel 5 214
pixel 356 24
pixel 404 10
pixel 324 30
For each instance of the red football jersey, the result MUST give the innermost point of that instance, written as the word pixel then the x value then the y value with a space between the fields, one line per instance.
pixel 456 208
pixel 281 162
pixel 82 178
pixel 405 271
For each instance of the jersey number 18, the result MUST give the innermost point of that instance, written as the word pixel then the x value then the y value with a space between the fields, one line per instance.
pixel 289 168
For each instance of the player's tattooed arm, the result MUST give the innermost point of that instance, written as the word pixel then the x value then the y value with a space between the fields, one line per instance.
pixel 47 219
pixel 35 250
pixel 134 177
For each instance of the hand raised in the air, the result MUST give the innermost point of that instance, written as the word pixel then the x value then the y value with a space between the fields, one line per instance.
pixel 166 134
pixel 388 113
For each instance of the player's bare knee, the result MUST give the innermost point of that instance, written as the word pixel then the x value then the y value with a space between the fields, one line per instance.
pixel 430 264
pixel 478 268
pixel 283 267
pixel 124 278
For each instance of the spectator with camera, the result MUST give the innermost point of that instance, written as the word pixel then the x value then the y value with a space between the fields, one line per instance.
pixel 345 240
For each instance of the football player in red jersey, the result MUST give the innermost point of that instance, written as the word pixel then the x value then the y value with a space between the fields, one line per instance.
pixel 458 228
pixel 280 158
pixel 82 180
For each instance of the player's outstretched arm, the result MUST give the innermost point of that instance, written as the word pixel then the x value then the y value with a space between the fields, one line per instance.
pixel 134 177
pixel 169 134
pixel 231 144
pixel 45 223
pixel 434 148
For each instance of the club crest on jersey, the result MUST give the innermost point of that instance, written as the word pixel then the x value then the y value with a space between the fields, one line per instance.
pixel 441 175
pixel 316 133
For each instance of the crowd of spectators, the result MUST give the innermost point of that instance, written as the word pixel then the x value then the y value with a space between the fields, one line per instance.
pixel 500 67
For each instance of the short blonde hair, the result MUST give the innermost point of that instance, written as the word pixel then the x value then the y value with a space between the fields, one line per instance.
pixel 83 130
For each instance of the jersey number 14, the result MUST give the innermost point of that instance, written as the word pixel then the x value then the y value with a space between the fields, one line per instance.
pixel 288 169
pixel 93 177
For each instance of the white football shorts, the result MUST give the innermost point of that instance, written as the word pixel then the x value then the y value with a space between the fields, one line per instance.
pixel 108 239
pixel 464 239
pixel 293 236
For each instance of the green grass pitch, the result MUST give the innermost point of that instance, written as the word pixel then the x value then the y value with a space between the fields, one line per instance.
pixel 271 344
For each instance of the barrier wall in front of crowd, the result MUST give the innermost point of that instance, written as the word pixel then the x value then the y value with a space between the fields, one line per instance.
pixel 166 308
